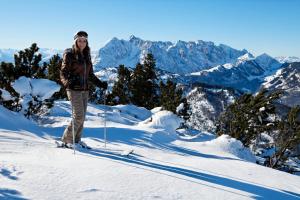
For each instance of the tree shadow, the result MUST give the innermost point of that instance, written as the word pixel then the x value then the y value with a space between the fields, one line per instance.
pixel 10 194
pixel 140 138
pixel 6 173
pixel 198 177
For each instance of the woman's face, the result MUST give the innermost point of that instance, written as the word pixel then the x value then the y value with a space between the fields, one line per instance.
pixel 81 43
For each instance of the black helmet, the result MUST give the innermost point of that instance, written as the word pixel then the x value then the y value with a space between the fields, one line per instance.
pixel 81 34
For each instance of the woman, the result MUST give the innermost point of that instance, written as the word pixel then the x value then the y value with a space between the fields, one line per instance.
pixel 75 74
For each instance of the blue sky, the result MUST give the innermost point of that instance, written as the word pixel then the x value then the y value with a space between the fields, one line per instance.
pixel 260 26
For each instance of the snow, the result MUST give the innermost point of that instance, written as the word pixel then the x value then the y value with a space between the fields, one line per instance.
pixel 156 109
pixel 13 121
pixel 180 107
pixel 29 88
pixel 163 166
pixel 42 88
pixel 228 65
pixel 109 74
pixel 5 95
pixel 244 58
pixel 39 85
pixel 163 119
pixel 138 112
pixel 262 109
pixel 22 86
pixel 269 79
pixel 231 145
pixel 287 59
pixel 202 111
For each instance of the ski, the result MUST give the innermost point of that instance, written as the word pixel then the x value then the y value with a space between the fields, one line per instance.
pixel 60 144
pixel 121 152
pixel 127 152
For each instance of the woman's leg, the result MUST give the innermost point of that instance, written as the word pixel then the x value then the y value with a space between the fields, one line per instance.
pixel 76 99
pixel 85 98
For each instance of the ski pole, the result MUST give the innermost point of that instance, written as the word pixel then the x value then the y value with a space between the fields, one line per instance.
pixel 73 132
pixel 105 118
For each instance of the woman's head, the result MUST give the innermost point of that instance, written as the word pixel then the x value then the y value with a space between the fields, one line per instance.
pixel 81 44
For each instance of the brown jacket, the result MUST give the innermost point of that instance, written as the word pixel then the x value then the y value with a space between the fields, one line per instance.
pixel 76 72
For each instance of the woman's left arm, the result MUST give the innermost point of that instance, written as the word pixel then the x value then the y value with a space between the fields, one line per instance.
pixel 96 81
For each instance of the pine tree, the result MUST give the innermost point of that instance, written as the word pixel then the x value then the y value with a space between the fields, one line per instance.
pixel 7 75
pixel 27 63
pixel 53 68
pixel 121 89
pixel 40 73
pixel 170 97
pixel 143 85
pixel 287 138
pixel 137 86
pixel 151 87
pixel 248 116
pixel 149 67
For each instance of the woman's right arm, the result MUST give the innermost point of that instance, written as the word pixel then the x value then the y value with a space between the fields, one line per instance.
pixel 65 68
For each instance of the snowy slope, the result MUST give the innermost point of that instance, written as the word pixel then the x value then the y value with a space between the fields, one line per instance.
pixel 286 79
pixel 163 166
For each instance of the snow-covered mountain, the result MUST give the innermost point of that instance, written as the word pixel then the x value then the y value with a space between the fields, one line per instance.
pixel 48 53
pixel 180 57
pixel 7 55
pixel 286 79
pixel 163 165
pixel 287 59
pixel 246 74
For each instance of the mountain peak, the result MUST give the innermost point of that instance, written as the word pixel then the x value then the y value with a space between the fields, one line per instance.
pixel 268 63
pixel 112 40
pixel 133 38
pixel 246 57
pixel 180 43
pixel 264 55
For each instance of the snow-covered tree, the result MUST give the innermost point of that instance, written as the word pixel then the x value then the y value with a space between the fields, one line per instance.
pixel 248 116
